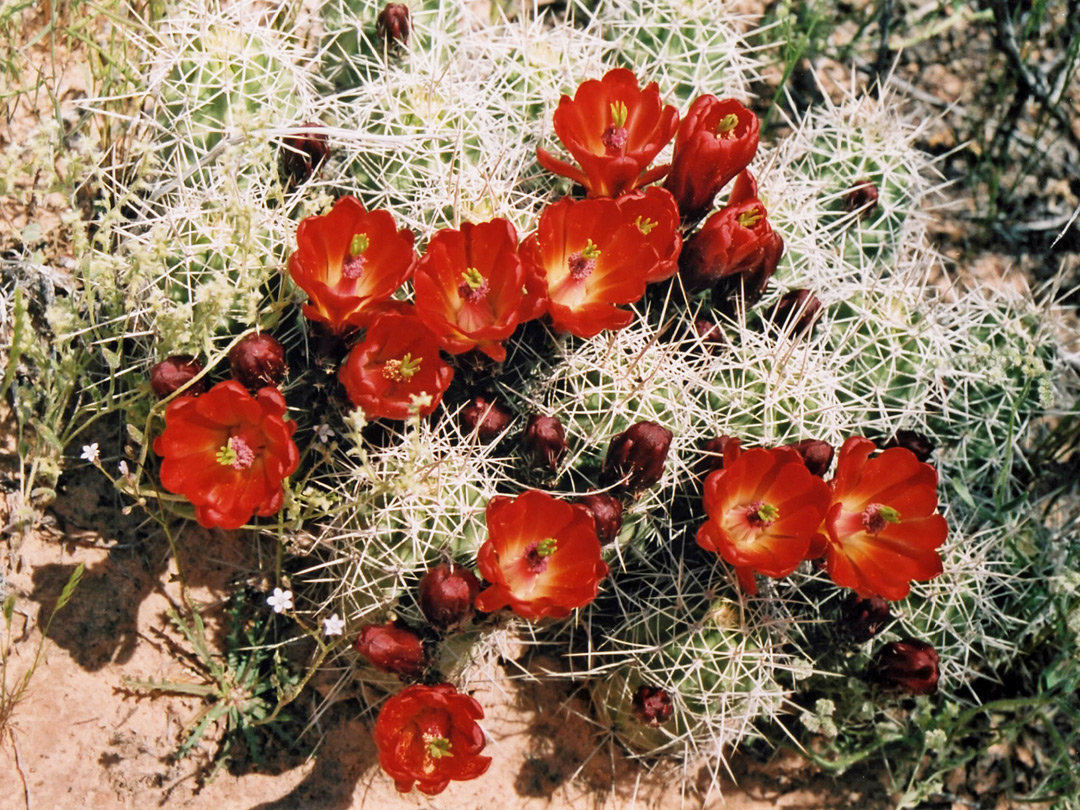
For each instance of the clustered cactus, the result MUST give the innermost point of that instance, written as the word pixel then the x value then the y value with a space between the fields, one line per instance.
pixel 828 327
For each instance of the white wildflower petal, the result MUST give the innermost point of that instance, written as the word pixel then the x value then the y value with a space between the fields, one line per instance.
pixel 280 600
pixel 333 625
pixel 90 453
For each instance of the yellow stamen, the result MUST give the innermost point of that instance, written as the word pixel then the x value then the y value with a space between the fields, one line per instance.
pixel 403 369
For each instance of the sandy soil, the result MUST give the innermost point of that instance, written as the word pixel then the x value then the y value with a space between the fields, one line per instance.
pixel 81 738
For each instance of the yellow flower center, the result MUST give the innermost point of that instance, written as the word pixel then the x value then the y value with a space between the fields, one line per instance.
pixel 645 225
pixel 439 748
pixel 726 127
pixel 403 369
pixel 748 219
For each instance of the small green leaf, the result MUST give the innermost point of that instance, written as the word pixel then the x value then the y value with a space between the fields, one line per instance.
pixel 9 609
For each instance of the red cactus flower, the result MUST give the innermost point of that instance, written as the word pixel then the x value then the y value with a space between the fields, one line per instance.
pixel 736 247
pixel 595 254
pixel 764 507
pixel 349 262
pixel 883 526
pixel 428 736
pixel 541 556
pixel 393 649
pixel 716 140
pixel 613 129
pixel 472 289
pixel 397 360
pixel 228 452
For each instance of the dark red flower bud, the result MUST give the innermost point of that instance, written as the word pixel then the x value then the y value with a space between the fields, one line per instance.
pixel 486 417
pixel 257 361
pixel 862 618
pixel 716 449
pixel 652 705
pixel 909 665
pixel 173 372
pixel 606 511
pixel 447 595
pixel 716 140
pixel 711 335
pixel 798 311
pixel 392 649
pixel 863 197
pixel 917 443
pixel 393 24
pixel 636 456
pixel 302 155
pixel 545 441
pixel 816 454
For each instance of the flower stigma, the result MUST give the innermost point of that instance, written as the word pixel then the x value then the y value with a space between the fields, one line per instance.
pixel 645 225
pixel 748 219
pixel 726 128
pixel 439 747
pixel 473 285
pixel 877 516
pixel 353 267
pixel 616 135
pixel 583 262
pixel 403 369
pixel 236 453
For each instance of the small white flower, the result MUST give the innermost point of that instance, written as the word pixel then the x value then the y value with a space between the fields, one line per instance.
pixel 124 471
pixel 333 625
pixel 324 433
pixel 280 600
pixel 90 453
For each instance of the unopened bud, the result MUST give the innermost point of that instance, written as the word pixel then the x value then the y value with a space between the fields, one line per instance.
pixel 917 443
pixel 304 154
pixel 487 418
pixel 636 457
pixel 910 666
pixel 392 649
pixel 257 360
pixel 606 511
pixel 863 618
pixel 714 450
pixel 711 335
pixel 816 454
pixel 447 594
pixel 393 24
pixel 545 441
pixel 173 373
pixel 652 706
pixel 797 310
pixel 863 197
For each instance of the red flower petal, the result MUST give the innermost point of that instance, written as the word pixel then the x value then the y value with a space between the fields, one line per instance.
pixel 228 453
pixel 542 556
